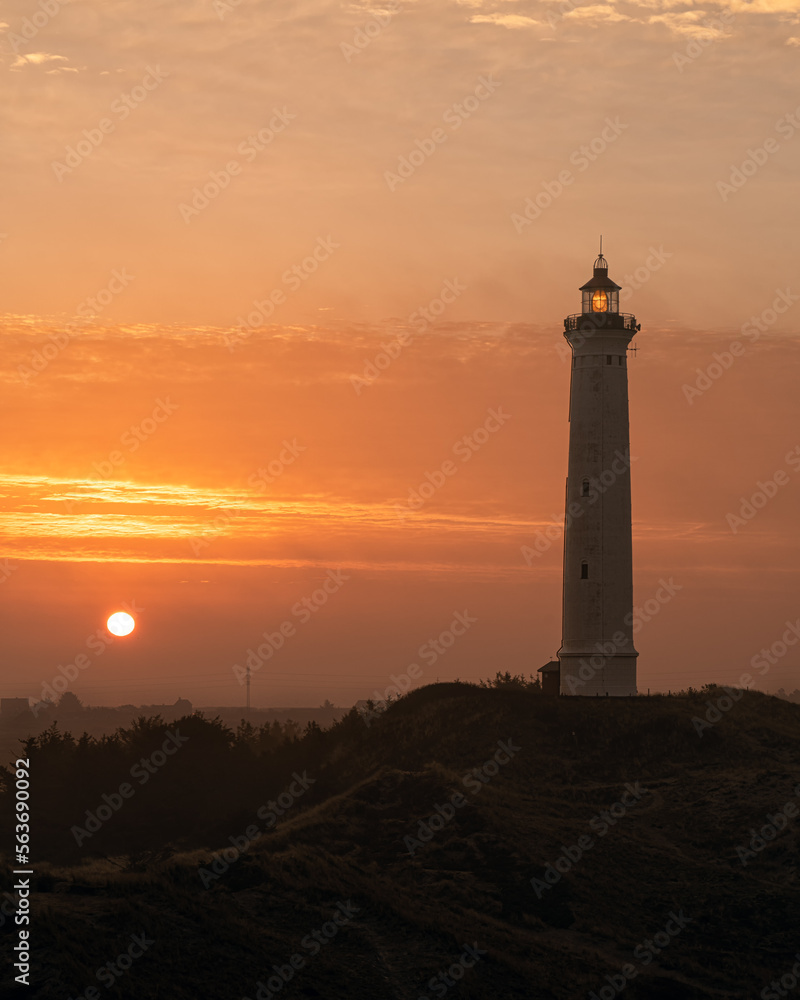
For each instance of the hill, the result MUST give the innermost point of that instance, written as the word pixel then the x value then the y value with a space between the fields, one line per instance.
pixel 469 842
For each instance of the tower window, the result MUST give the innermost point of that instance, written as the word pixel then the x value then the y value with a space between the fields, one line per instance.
pixel 608 359
pixel 585 488
pixel 584 571
pixel 619 359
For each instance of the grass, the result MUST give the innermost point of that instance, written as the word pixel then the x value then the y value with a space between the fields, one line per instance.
pixel 673 850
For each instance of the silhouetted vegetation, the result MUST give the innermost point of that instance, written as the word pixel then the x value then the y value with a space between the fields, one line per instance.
pixel 188 779
pixel 175 862
pixel 507 679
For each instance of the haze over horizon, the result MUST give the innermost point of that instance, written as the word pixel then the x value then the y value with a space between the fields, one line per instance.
pixel 214 474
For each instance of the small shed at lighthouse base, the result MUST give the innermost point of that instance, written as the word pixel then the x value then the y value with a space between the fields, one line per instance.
pixel 551 677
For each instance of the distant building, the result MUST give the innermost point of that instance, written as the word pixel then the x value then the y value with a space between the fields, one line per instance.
pixel 551 677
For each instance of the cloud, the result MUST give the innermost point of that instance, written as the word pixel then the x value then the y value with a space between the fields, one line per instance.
pixel 80 544
pixel 596 12
pixel 762 6
pixel 687 23
pixel 660 4
pixel 505 20
pixel 36 59
pixel 106 520
pixel 327 170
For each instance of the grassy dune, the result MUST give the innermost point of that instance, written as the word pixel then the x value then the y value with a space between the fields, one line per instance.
pixel 682 804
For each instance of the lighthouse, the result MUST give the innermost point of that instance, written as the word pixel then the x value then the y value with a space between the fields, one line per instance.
pixel 597 656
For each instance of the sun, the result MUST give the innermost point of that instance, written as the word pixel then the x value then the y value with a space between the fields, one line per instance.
pixel 120 623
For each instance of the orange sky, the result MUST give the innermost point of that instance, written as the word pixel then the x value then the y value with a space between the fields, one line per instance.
pixel 154 410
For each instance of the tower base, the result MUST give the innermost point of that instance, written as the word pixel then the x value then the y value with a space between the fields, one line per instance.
pixel 596 675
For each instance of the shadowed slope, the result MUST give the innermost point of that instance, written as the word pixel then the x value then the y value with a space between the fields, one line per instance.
pixel 493 786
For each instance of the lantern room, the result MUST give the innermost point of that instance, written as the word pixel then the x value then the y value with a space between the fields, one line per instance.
pixel 601 294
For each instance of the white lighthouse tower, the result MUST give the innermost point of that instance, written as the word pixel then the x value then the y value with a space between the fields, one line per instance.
pixel 597 656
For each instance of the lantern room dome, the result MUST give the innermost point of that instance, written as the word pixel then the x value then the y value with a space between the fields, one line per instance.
pixel 600 279
pixel 600 302
pixel 600 293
